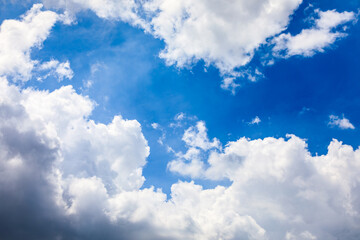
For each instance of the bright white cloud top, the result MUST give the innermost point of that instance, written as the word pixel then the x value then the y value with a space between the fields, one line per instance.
pixel 85 179
pixel 255 120
pixel 88 173
pixel 17 37
pixel 224 34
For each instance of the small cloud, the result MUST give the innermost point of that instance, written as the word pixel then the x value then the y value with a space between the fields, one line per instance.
pixel 155 125
pixel 342 123
pixel 230 84
pixel 256 120
pixel 179 116
pixel 58 69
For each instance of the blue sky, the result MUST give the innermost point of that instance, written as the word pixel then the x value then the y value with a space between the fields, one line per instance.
pixel 311 92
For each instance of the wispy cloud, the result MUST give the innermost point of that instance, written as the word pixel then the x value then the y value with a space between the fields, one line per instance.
pixel 342 123
pixel 255 120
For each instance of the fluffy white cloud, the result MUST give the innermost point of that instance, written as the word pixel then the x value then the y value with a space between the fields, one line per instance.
pixel 287 191
pixel 225 34
pixel 342 123
pixel 64 176
pixel 84 178
pixel 196 137
pixel 87 173
pixel 197 141
pixel 115 152
pixel 316 39
pixel 18 37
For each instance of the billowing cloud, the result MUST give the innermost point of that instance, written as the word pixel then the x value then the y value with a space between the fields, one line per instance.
pixel 65 176
pixel 342 123
pixel 225 34
pixel 310 41
pixel 197 141
pixel 53 157
pixel 62 168
pixel 18 37
pixel 287 191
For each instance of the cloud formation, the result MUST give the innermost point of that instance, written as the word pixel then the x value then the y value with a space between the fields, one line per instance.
pixel 289 193
pixel 310 41
pixel 76 174
pixel 342 123
pixel 57 69
pixel 65 176
pixel 226 35
pixel 17 37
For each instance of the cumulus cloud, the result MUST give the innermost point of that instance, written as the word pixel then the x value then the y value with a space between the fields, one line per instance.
pixel 18 37
pixel 225 34
pixel 49 144
pixel 65 176
pixel 84 179
pixel 342 123
pixel 287 191
pixel 310 41
pixel 197 141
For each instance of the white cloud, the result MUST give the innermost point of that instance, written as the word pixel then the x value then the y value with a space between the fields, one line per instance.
pixel 316 39
pixel 155 125
pixel 197 137
pixel 225 34
pixel 90 174
pixel 64 176
pixel 279 183
pixel 18 37
pixel 256 120
pixel 66 168
pixel 342 123
pixel 60 70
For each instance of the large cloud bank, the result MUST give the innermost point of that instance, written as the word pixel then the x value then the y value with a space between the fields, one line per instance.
pixel 64 176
